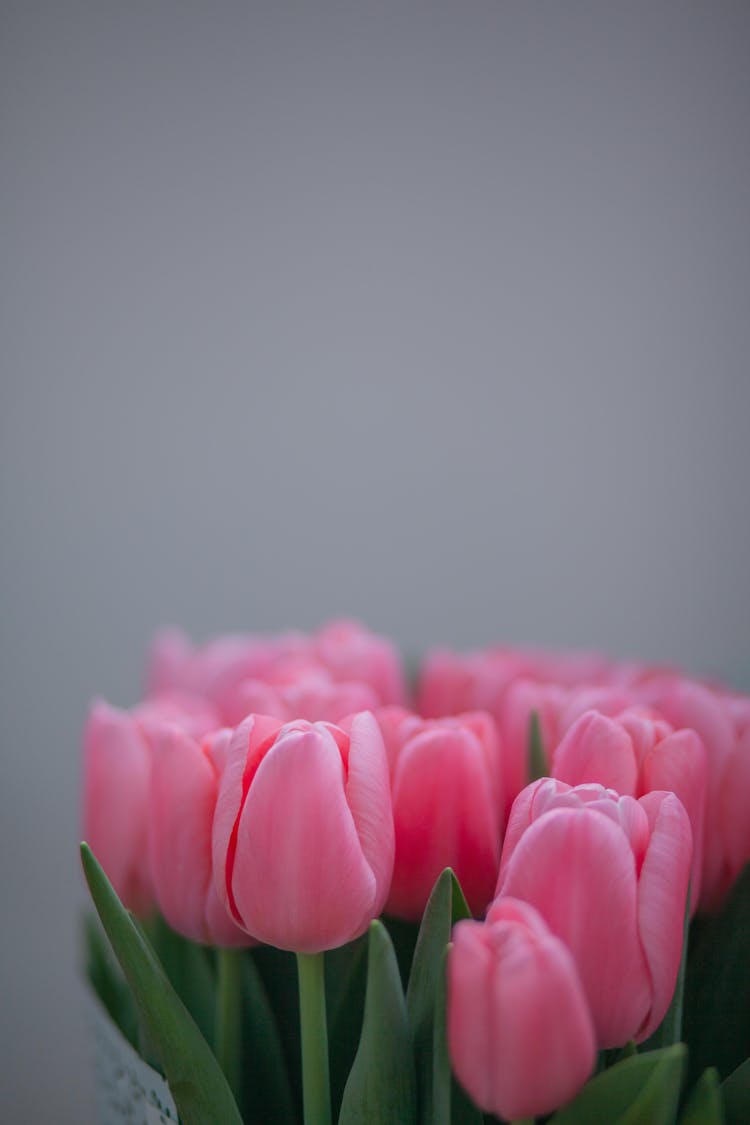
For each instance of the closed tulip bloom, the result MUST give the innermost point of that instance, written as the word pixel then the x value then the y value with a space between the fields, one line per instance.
pixel 712 714
pixel 520 1033
pixel 184 786
pixel 303 831
pixel 447 806
pixel 116 774
pixel 636 753
pixel 609 875
pixel 116 786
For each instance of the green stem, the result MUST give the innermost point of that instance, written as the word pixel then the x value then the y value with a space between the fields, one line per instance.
pixel 312 1014
pixel 229 1017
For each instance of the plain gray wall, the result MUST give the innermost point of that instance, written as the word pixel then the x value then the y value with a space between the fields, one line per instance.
pixel 436 314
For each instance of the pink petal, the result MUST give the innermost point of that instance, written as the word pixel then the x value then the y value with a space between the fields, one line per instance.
pixel 183 796
pixel 116 769
pixel 662 891
pixel 678 764
pixel 598 749
pixel 576 867
pixel 368 792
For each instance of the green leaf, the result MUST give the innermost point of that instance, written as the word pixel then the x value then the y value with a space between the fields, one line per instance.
pixel 717 987
pixel 704 1106
pixel 107 981
pixel 198 1086
pixel 381 1088
pixel 446 906
pixel 346 982
pixel 669 1030
pixel 267 1094
pixel 450 1105
pixel 189 970
pixel 642 1090
pixel 537 758
pixel 736 1091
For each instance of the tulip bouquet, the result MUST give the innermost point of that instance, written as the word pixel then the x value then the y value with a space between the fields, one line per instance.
pixel 517 888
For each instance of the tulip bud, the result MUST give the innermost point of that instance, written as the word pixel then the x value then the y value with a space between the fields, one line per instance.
pixel 609 875
pixel 447 806
pixel 116 772
pixel 634 754
pixel 520 1033
pixel 303 831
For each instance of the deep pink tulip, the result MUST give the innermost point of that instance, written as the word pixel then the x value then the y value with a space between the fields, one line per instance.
pixel 520 1033
pixel 447 806
pixel 116 780
pixel 609 875
pixel 634 754
pixel 303 832
pixel 184 785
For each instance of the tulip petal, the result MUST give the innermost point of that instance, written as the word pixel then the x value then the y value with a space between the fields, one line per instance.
pixel 523 814
pixel 368 792
pixel 117 765
pixel 251 733
pixel 662 890
pixel 597 748
pixel 576 867
pixel 678 764
pixel 183 796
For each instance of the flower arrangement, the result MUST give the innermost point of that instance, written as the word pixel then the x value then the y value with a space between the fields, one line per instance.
pixel 517 889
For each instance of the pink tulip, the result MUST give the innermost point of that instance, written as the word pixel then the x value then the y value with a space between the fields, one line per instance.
pixel 352 653
pixel 303 831
pixel 479 680
pixel 519 702
pixel 715 717
pixel 447 806
pixel 116 781
pixel 636 753
pixel 520 1032
pixel 314 696
pixel 609 875
pixel 218 671
pixel 116 771
pixel 184 786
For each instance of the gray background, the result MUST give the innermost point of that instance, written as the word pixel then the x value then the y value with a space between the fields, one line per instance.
pixel 435 314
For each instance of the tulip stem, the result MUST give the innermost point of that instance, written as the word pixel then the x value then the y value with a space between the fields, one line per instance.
pixel 229 1017
pixel 312 1013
